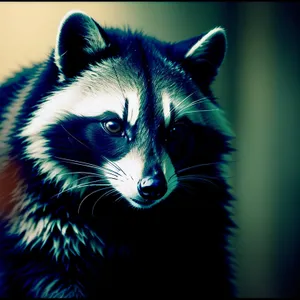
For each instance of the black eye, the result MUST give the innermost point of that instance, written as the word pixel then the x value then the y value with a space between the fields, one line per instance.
pixel 177 140
pixel 113 127
pixel 178 132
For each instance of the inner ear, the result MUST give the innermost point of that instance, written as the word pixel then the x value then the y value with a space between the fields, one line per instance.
pixel 79 38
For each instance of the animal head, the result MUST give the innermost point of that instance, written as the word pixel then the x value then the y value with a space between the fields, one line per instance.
pixel 127 110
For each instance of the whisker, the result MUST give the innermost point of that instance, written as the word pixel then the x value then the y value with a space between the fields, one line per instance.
pixel 77 161
pixel 112 191
pixel 200 110
pixel 177 104
pixel 191 167
pixel 188 178
pixel 82 163
pixel 88 165
pixel 98 180
pixel 200 100
pixel 171 177
pixel 78 186
pixel 186 188
pixel 114 164
pixel 120 197
pixel 96 191
pixel 88 176
pixel 199 176
pixel 196 166
pixel 87 173
pixel 75 138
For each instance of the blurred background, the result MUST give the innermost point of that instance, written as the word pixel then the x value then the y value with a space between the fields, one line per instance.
pixel 258 87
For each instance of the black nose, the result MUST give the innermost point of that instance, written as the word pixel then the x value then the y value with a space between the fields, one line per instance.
pixel 152 187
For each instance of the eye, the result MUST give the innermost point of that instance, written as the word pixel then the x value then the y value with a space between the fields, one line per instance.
pixel 114 127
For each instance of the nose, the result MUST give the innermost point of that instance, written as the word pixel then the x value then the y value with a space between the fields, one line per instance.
pixel 152 187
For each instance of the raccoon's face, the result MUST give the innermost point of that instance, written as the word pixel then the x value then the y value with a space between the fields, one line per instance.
pixel 124 117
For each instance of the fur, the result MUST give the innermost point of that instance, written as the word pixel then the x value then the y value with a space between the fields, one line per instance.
pixel 74 220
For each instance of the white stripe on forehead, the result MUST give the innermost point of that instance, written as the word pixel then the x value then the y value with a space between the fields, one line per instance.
pixel 76 101
pixel 72 100
pixel 96 105
pixel 166 102
pixel 133 107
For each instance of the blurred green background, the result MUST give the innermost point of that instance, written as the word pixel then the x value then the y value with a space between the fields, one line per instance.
pixel 258 87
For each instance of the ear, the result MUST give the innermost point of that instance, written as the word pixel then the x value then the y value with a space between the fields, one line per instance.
pixel 202 56
pixel 79 38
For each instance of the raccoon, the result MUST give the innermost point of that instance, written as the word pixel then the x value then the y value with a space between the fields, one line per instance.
pixel 114 151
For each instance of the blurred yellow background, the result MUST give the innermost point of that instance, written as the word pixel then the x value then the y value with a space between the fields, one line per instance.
pixel 258 87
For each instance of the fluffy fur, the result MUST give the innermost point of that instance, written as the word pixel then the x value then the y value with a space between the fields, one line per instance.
pixel 105 113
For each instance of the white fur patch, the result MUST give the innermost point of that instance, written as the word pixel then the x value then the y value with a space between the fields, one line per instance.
pixel 36 233
pixel 204 40
pixel 73 100
pixel 133 107
pixel 132 166
pixel 12 111
pixel 166 101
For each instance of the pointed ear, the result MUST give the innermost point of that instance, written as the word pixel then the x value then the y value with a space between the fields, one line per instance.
pixel 79 37
pixel 202 56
